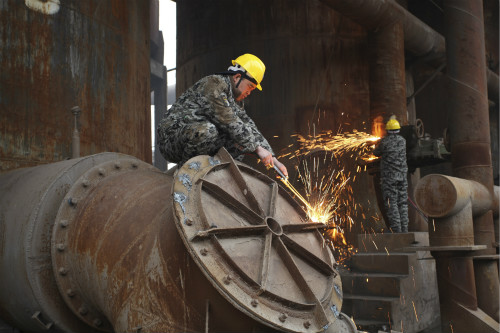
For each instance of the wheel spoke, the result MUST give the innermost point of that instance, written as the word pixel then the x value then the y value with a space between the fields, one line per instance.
pixel 274 199
pixel 300 281
pixel 300 227
pixel 229 201
pixel 266 256
pixel 306 255
pixel 229 232
pixel 240 181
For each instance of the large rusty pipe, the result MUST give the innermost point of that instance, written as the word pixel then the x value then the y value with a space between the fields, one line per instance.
pixel 419 38
pixel 452 203
pixel 387 73
pixel 442 196
pixel 29 201
pixel 98 249
pixel 132 279
pixel 468 103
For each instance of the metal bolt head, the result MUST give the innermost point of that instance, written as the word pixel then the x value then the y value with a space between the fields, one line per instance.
pixel 85 183
pixel 70 292
pixel 64 223
pixel 135 165
pixel 75 110
pixel 83 310
pixel 307 324
pixel 63 271
pixel 189 222
pixel 97 322
pixel 61 247
pixel 102 172
pixel 203 252
pixel 72 201
pixel 254 303
pixel 227 279
pixel 117 165
pixel 283 317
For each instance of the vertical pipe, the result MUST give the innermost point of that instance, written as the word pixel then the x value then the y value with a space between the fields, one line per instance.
pixel 469 123
pixel 486 270
pixel 387 82
pixel 468 102
pixel 387 73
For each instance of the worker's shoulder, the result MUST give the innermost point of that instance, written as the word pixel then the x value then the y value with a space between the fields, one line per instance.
pixel 216 80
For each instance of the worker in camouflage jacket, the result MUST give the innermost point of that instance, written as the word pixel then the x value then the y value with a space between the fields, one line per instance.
pixel 211 115
pixel 393 176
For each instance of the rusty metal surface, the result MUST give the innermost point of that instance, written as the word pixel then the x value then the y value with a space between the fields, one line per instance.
pixel 420 39
pixel 387 73
pixel 80 240
pixel 255 246
pixel 29 200
pixel 59 54
pixel 488 291
pixel 443 196
pixel 469 126
pixel 456 280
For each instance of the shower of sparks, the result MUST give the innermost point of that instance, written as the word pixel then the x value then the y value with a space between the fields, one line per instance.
pixel 355 143
pixel 326 186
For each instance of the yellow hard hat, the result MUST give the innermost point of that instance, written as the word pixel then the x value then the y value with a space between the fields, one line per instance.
pixel 392 125
pixel 253 65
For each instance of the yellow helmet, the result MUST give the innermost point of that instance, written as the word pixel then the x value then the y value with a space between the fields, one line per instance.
pixel 392 125
pixel 254 66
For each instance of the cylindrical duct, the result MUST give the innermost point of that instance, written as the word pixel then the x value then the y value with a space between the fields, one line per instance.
pixel 452 203
pixel 57 54
pixel 468 102
pixel 109 243
pixel 29 201
pixel 468 107
pixel 444 196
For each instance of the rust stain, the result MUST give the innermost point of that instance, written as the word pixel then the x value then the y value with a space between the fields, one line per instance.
pixel 52 62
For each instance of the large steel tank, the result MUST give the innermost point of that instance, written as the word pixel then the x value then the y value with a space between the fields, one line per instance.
pixel 63 53
pixel 110 243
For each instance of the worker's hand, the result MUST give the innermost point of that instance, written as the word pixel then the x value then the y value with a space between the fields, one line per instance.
pixel 265 156
pixel 281 167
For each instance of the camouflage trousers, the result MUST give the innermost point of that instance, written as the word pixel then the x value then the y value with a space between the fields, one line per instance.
pixel 179 142
pixel 395 195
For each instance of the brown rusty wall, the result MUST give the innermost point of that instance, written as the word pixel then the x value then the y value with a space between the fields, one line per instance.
pixel 316 66
pixel 55 55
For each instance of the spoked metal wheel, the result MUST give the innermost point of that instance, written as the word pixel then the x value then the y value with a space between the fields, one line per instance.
pixel 255 245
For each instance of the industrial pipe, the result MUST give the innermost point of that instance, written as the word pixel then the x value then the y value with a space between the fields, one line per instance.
pixel 442 196
pixel 467 286
pixel 109 243
pixel 419 38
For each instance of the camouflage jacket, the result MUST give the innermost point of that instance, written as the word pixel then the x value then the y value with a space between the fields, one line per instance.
pixel 392 150
pixel 211 100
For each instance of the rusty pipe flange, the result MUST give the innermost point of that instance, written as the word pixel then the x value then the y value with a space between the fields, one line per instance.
pixel 61 260
pixel 254 244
